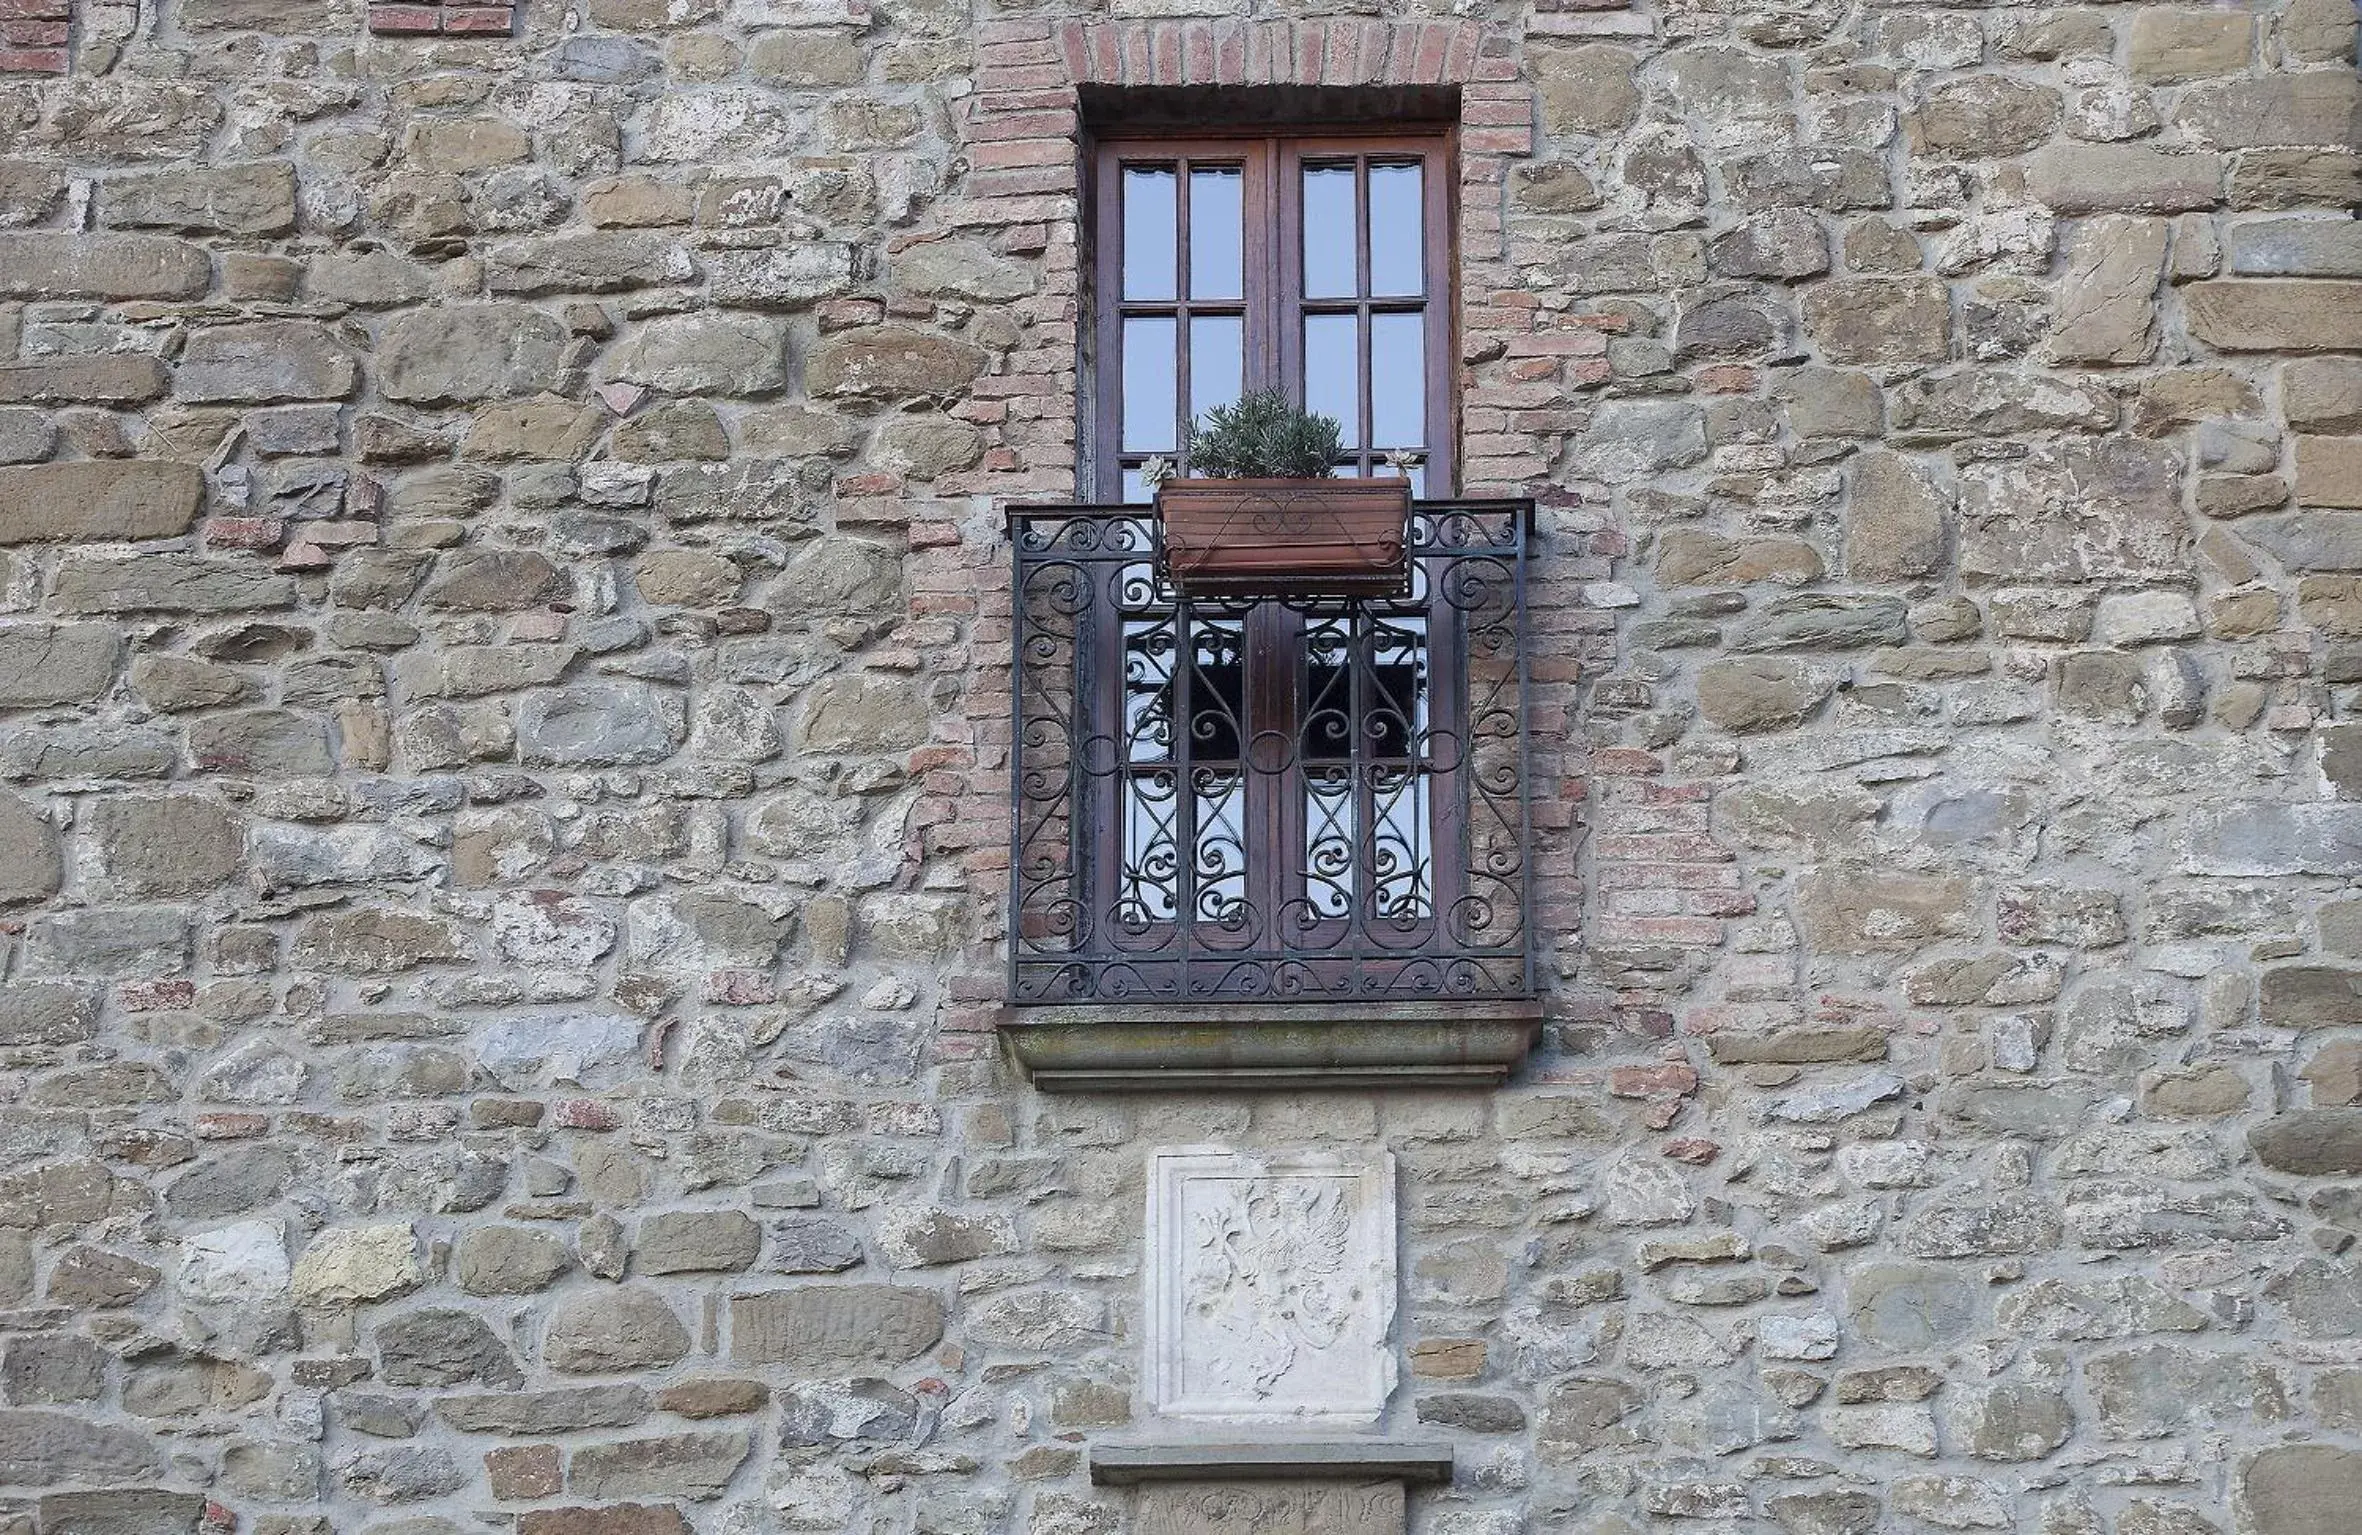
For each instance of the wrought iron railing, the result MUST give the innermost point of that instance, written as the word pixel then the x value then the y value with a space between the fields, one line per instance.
pixel 1236 800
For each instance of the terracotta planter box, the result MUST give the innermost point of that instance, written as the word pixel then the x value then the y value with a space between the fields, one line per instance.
pixel 1286 538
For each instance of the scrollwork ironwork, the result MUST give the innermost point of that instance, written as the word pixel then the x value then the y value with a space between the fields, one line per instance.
pixel 1294 799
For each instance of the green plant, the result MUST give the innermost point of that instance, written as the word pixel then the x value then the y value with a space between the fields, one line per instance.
pixel 1263 437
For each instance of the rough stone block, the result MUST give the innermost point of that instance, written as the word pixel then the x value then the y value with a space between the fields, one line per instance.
pixel 827 1329
pixel 46 265
pixel 100 500
pixel 2307 247
pixel 2107 302
pixel 2123 178
pixel 2329 471
pixel 1271 1508
pixel 2171 46
pixel 2314 107
pixel 2272 315
pixel 56 663
pixel 128 379
pixel 2106 511
pixel 256 199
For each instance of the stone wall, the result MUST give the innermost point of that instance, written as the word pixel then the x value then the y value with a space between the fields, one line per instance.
pixel 504 730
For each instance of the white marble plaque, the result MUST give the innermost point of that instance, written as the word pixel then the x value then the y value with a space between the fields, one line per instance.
pixel 1270 1284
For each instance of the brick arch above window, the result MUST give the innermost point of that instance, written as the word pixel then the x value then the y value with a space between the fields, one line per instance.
pixel 1021 186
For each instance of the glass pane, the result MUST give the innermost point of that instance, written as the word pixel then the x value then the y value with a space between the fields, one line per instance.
pixel 1151 384
pixel 1151 231
pixel 1217 361
pixel 1398 245
pixel 1136 491
pixel 1329 232
pixel 1332 371
pixel 1215 230
pixel 1398 381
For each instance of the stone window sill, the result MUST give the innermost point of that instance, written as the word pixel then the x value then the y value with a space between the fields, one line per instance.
pixel 1165 1047
pixel 1127 1463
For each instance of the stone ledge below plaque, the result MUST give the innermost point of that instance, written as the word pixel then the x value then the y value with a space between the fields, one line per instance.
pixel 1162 1047
pixel 1273 1458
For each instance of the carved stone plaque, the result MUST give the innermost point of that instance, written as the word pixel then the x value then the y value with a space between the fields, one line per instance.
pixel 1271 1508
pixel 1270 1285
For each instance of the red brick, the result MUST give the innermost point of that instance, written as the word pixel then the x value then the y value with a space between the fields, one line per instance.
pixel 498 19
pixel 398 19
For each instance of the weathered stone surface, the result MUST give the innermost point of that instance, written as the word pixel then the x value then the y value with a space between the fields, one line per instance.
pixel 612 1332
pixel 509 1260
pixel 2127 178
pixel 601 725
pixel 830 1327
pixel 122 1511
pixel 81 380
pixel 891 363
pixel 1879 320
pixel 469 352
pixel 494 581
pixel 49 1449
pixel 586 263
pixel 2272 315
pixel 2301 1489
pixel 255 199
pixel 357 1265
pixel 2107 305
pixel 1760 694
pixel 723 354
pixel 440 1347
pixel 696 1466
pixel 1983 117
pixel 698 1242
pixel 1815 622
pixel 2074 512
pixel 1896 514
pixel 1859 909
pixel 565 1410
pixel 173 844
pixel 94 501
pixel 2311 1143
pixel 2323 394
pixel 616 1519
pixel 261 361
pixel 1690 558
pixel 165 583
pixel 119 267
pixel 2309 107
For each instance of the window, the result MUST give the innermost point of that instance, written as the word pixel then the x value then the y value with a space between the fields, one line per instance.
pixel 1277 800
pixel 1317 265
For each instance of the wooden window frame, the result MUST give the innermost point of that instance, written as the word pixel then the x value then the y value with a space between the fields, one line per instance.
pixel 1272 638
pixel 1272 299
